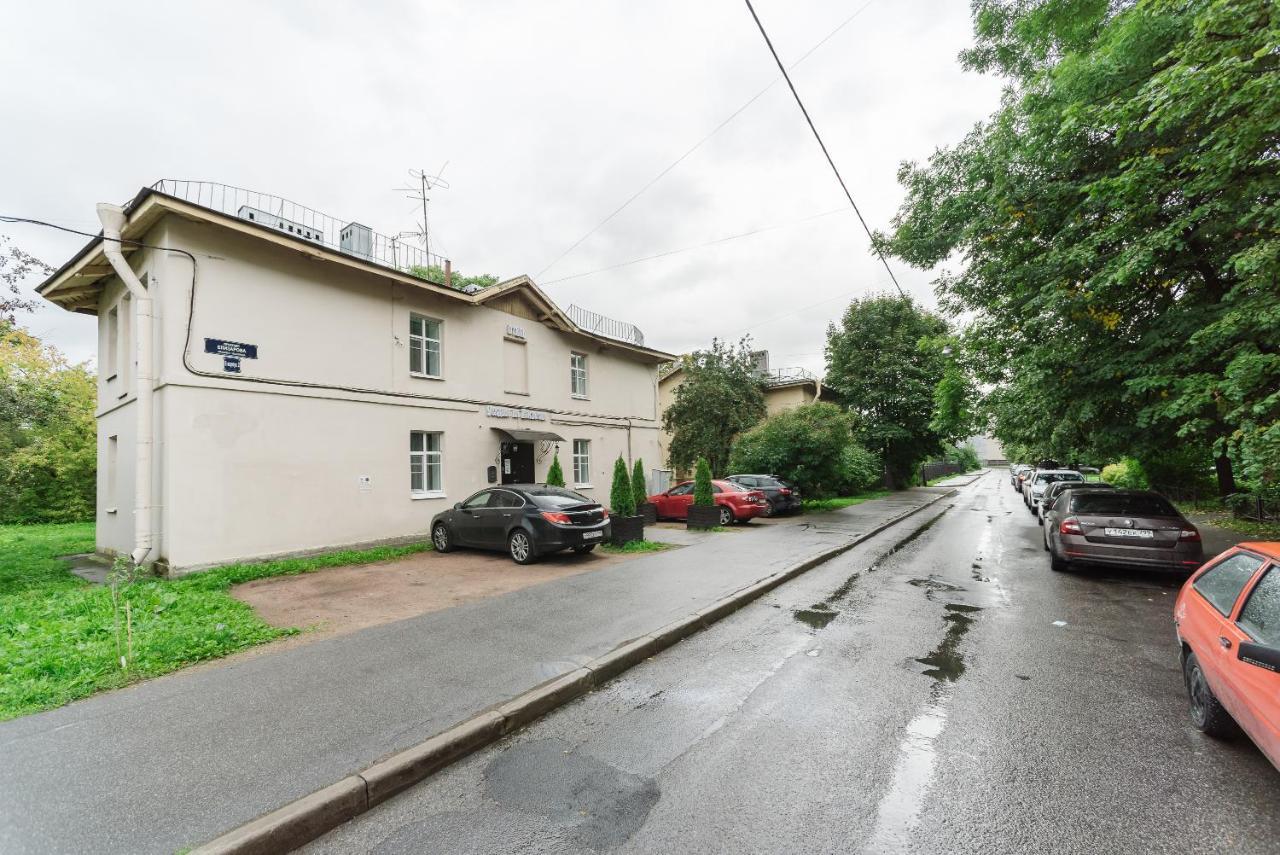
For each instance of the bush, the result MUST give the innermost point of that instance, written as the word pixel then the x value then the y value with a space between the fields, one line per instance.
pixel 811 446
pixel 555 475
pixel 964 456
pixel 622 501
pixel 1126 475
pixel 859 469
pixel 637 484
pixel 703 497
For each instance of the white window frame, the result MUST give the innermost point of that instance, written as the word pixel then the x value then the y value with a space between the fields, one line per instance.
pixel 582 463
pixel 422 344
pixel 112 350
pixel 578 371
pixel 422 461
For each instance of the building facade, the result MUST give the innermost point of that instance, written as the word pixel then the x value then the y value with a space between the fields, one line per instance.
pixel 308 397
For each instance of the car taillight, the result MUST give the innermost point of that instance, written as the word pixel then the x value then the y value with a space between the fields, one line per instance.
pixel 556 517
pixel 1190 535
pixel 604 513
pixel 785 492
pixel 1070 525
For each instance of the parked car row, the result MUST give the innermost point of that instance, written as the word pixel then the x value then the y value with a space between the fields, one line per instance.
pixel 1226 617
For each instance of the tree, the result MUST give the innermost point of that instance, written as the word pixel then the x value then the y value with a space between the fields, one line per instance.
pixel 48 433
pixel 15 266
pixel 1119 217
pixel 955 414
pixel 703 495
pixel 435 273
pixel 883 368
pixel 806 445
pixel 555 475
pixel 621 500
pixel 638 490
pixel 718 398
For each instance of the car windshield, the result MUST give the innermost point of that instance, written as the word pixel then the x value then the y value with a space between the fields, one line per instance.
pixel 1052 477
pixel 557 497
pixel 1121 504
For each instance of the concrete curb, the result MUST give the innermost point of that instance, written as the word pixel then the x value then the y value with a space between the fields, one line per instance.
pixel 309 817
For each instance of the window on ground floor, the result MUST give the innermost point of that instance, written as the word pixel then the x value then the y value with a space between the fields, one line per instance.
pixel 426 464
pixel 581 462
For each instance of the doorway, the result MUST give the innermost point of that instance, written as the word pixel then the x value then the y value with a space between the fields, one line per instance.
pixel 517 463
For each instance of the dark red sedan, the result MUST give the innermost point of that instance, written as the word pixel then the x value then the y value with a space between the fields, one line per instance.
pixel 736 503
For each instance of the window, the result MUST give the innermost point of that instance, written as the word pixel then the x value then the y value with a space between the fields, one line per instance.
pixel 425 464
pixel 515 366
pixel 682 490
pixel 113 458
pixel 578 375
pixel 112 349
pixel 424 346
pixel 582 461
pixel 125 360
pixel 505 499
pixel 479 500
pixel 1260 616
pixel 1224 581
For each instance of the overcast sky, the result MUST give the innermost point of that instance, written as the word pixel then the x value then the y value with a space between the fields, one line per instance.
pixel 549 115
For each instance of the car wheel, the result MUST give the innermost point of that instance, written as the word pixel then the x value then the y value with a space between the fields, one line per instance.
pixel 1058 563
pixel 584 548
pixel 441 539
pixel 1039 518
pixel 726 516
pixel 520 547
pixel 1045 538
pixel 1207 714
pixel 768 509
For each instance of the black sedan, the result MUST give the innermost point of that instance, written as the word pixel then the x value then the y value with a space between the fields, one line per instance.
pixel 782 496
pixel 525 520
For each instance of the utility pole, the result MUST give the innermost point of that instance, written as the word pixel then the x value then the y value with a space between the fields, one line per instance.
pixel 425 183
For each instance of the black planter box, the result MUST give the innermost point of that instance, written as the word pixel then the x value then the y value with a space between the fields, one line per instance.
pixel 648 512
pixel 626 529
pixel 704 516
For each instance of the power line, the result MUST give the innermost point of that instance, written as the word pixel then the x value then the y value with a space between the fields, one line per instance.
pixel 655 179
pixel 725 239
pixel 818 137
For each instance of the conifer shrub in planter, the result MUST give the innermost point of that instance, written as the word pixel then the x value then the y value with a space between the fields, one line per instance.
pixel 645 509
pixel 703 513
pixel 625 524
pixel 555 475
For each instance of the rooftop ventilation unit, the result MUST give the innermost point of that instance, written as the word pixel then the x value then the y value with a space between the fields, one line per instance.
pixel 357 240
pixel 280 224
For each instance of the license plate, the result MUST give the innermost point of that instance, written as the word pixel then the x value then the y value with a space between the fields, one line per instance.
pixel 592 535
pixel 1140 533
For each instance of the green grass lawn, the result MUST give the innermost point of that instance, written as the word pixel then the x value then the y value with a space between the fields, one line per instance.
pixel 634 547
pixel 811 505
pixel 62 638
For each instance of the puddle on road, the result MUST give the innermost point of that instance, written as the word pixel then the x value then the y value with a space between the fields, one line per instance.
pixel 900 806
pixel 946 662
pixel 815 617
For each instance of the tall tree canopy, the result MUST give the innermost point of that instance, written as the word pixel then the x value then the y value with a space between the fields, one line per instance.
pixel 1118 225
pixel 883 363
pixel 719 397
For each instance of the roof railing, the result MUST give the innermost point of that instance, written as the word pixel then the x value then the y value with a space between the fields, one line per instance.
pixel 598 324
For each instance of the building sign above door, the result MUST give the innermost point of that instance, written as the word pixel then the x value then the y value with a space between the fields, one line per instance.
pixel 497 412
pixel 514 331
pixel 230 348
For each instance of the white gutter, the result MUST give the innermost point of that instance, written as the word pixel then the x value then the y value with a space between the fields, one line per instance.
pixel 113 220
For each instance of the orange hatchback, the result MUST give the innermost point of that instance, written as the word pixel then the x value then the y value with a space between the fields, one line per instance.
pixel 1228 622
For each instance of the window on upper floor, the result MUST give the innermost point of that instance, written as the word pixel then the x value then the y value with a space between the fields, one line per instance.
pixel 424 346
pixel 111 348
pixel 515 366
pixel 578 375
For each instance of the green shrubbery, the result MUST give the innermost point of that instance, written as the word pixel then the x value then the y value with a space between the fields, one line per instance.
pixel 1127 474
pixel 622 502
pixel 555 475
pixel 812 447
pixel 703 496
pixel 964 456
pixel 637 483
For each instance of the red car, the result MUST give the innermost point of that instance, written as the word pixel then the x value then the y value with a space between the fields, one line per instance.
pixel 1228 622
pixel 737 503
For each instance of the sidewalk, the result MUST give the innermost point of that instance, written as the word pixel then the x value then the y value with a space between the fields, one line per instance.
pixel 176 761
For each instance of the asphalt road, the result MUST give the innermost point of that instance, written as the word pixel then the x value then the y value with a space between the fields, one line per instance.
pixel 952 695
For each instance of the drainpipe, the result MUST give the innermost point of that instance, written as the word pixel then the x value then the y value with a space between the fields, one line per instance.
pixel 113 220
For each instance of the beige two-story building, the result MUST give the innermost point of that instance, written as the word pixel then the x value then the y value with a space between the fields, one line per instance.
pixel 286 382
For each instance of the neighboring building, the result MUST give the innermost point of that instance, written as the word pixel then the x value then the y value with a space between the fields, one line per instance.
pixel 784 389
pixel 313 392
pixel 988 448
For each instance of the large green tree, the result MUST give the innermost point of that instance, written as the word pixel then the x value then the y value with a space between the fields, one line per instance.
pixel 1117 223
pixel 48 451
pixel 884 365
pixel 719 396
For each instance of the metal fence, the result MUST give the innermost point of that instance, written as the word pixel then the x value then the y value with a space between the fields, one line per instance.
pixel 937 469
pixel 307 224
pixel 598 324
pixel 783 376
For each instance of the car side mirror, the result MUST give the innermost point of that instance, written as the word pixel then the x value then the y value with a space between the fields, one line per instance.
pixel 457 506
pixel 1259 655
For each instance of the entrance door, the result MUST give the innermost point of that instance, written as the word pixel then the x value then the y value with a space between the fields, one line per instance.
pixel 517 463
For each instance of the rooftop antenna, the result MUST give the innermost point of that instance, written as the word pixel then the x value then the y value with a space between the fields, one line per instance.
pixel 419 189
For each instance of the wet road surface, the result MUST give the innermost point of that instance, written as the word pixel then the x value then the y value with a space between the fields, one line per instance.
pixel 948 693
